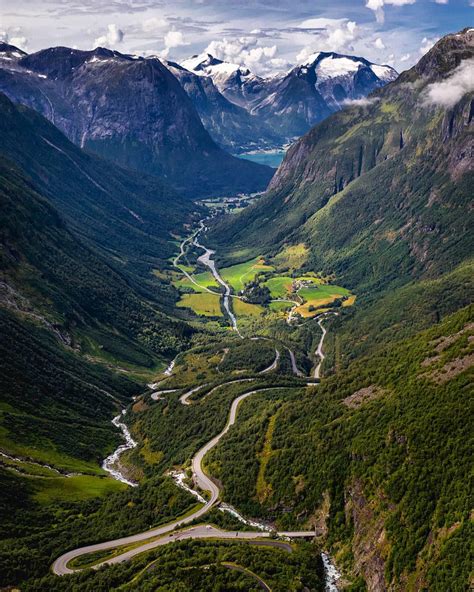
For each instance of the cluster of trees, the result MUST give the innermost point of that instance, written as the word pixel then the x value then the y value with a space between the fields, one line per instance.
pixel 256 293
pixel 202 566
pixel 33 535
pixel 407 448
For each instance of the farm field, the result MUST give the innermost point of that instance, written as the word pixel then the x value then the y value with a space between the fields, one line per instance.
pixel 317 297
pixel 246 309
pixel 238 275
pixel 204 279
pixel 203 303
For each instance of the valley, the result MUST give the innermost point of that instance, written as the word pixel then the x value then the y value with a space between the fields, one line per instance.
pixel 219 374
pixel 148 540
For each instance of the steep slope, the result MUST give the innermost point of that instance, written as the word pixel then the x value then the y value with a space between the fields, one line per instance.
pixel 130 110
pixel 379 192
pixel 380 195
pixel 230 125
pixel 126 215
pixel 291 103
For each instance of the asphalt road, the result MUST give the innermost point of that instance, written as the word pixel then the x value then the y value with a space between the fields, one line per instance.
pixel 60 567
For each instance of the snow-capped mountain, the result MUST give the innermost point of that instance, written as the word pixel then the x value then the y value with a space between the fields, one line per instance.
pixel 339 78
pixel 291 103
pixel 129 109
pixel 229 124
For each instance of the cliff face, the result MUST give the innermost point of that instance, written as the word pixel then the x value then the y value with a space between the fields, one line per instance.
pixel 130 110
pixel 229 124
pixel 284 107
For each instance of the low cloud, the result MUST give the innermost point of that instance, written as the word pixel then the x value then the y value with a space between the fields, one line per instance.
pixel 14 36
pixel 154 24
pixel 427 44
pixel 113 37
pixel 362 102
pixel 379 44
pixel 450 91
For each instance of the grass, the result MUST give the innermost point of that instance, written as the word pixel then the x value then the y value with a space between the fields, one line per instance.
pixel 246 309
pixel 318 297
pixel 48 456
pixel 279 286
pixel 205 304
pixel 322 291
pixel 238 275
pixel 204 279
pixel 264 489
pixel 292 257
pixel 279 306
pixel 73 489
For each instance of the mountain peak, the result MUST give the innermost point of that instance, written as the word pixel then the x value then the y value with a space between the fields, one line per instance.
pixel 329 65
pixel 10 52
pixel 446 54
pixel 205 64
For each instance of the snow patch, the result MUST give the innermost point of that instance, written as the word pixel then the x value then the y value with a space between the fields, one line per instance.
pixel 383 72
pixel 331 67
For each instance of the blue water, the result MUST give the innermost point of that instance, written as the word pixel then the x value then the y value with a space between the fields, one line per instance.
pixel 272 159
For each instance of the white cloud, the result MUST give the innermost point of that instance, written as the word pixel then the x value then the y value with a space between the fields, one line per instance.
pixel 441 1
pixel 377 6
pixel 172 39
pixel 427 44
pixel 152 25
pixel 450 91
pixel 379 44
pixel 321 23
pixel 335 35
pixel 245 51
pixel 20 42
pixel 363 102
pixel 14 36
pixel 113 36
pixel 405 57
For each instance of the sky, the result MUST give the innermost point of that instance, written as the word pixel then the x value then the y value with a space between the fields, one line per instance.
pixel 266 36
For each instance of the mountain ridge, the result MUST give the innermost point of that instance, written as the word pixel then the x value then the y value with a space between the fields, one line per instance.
pixel 131 110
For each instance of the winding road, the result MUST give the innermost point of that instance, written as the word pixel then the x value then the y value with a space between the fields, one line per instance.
pixel 164 534
pixel 60 566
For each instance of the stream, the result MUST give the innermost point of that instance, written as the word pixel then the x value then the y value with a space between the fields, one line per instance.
pixel 111 463
pixel 206 260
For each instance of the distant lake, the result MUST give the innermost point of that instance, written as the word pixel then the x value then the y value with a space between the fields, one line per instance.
pixel 272 159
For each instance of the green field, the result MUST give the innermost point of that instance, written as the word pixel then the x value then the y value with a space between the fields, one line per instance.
pixel 279 286
pixel 245 309
pixel 204 304
pixel 317 297
pixel 279 306
pixel 72 489
pixel 204 279
pixel 238 275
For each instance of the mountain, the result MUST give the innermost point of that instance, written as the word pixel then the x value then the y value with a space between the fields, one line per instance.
pixel 126 215
pixel 229 124
pixel 379 196
pixel 291 103
pixel 130 110
pixel 117 229
pixel 388 175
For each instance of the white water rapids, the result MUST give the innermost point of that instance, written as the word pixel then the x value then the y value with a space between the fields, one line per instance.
pixel 331 574
pixel 179 478
pixel 111 463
